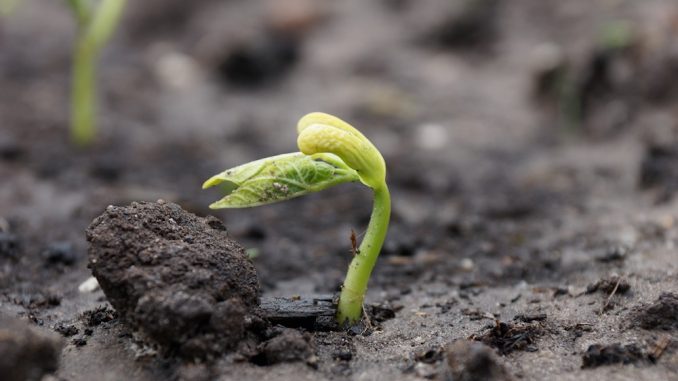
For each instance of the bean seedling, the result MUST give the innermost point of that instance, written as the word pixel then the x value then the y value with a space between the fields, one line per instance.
pixel 95 26
pixel 332 152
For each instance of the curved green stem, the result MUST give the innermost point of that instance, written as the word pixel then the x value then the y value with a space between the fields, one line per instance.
pixel 359 271
pixel 83 105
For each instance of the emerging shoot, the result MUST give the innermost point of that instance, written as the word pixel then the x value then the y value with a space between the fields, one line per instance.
pixel 96 24
pixel 332 152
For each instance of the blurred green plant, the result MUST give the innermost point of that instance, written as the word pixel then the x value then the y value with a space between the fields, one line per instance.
pixel 616 35
pixel 332 152
pixel 8 6
pixel 96 22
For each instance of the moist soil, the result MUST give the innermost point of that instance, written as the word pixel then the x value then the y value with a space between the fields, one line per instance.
pixel 531 155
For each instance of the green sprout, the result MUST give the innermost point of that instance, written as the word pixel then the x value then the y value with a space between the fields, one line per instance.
pixel 95 26
pixel 332 152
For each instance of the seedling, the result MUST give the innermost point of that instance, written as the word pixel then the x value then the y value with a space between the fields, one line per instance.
pixel 95 26
pixel 332 152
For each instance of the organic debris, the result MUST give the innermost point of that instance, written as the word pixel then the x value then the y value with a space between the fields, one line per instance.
pixel 509 337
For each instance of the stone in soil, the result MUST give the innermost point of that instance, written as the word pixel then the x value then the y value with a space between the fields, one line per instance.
pixel 26 353
pixel 176 277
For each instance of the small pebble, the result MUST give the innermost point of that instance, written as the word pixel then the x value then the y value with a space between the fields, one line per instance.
pixel 90 285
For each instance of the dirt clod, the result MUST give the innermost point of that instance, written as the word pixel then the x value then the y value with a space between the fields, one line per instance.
pixel 529 318
pixel 597 355
pixel 26 353
pixel 379 313
pixel 658 169
pixel 608 285
pixel 9 245
pixel 509 337
pixel 95 317
pixel 189 297
pixel 60 253
pixel 472 26
pixel 288 345
pixel 662 314
pixel 468 360
pixel 259 61
pixel 66 330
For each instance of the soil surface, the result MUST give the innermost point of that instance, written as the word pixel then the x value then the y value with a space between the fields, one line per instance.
pixel 531 155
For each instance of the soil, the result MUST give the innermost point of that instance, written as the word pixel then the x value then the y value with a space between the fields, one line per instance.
pixel 530 154
pixel 26 353
pixel 176 277
pixel 469 361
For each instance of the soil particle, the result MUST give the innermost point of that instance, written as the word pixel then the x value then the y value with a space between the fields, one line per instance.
pixel 79 341
pixel 189 297
pixel 598 355
pixel 288 345
pixel 379 313
pixel 37 299
pixel 509 337
pixel 662 314
pixel 608 285
pixel 26 353
pixel 66 330
pixel 10 150
pixel 342 355
pixel 95 317
pixel 472 25
pixel 9 245
pixel 612 253
pixel 260 61
pixel 429 355
pixel 60 253
pixel 107 168
pixel 529 318
pixel 468 360
pixel 659 168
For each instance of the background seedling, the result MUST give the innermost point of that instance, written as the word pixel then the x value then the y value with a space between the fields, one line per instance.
pixel 332 152
pixel 96 24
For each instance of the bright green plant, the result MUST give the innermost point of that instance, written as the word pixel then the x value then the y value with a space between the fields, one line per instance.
pixel 332 153
pixel 96 23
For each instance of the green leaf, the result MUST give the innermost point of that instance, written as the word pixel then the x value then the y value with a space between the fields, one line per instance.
pixel 279 178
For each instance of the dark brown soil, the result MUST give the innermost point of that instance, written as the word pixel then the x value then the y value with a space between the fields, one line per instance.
pixel 530 148
pixel 661 314
pixel 286 345
pixel 26 353
pixel 598 355
pixel 468 361
pixel 509 337
pixel 176 277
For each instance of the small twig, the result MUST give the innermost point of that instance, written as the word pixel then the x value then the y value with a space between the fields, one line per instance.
pixel 660 347
pixel 614 291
